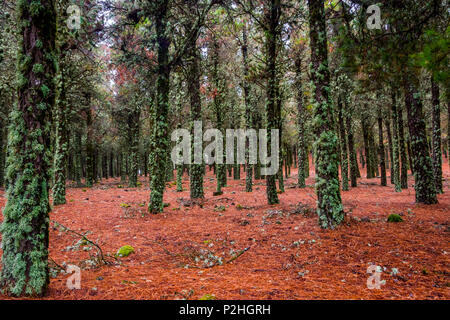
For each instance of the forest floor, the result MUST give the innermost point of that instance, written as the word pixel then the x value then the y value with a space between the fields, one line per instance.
pixel 287 255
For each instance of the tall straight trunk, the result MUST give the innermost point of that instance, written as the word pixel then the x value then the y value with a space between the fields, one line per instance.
pixel 362 158
pixel 111 164
pixel 257 125
pixel 436 145
pixel 381 150
pixel 402 149
pixel 301 110
pixel 134 115
pixel 95 164
pixel 248 109
pixel 354 170
pixel 395 170
pixel 104 166
pixel 160 136
pixel 60 114
pixel 145 164
pixel 2 152
pixel 273 121
pixel 123 167
pixel 448 126
pixel 89 146
pixel 409 153
pixel 25 227
pixel 280 170
pixel 78 160
pixel 424 183
pixel 343 146
pixel 367 153
pixel 61 139
pixel 329 203
pixel 373 154
pixel 196 176
pixel 390 163
pixel 218 104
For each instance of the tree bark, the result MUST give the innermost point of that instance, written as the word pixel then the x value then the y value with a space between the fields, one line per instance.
pixel 273 121
pixel 436 144
pixel 25 228
pixel 329 203
pixel 424 183
pixel 381 150
pixel 160 135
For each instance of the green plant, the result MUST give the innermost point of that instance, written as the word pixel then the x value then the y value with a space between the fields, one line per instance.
pixel 394 218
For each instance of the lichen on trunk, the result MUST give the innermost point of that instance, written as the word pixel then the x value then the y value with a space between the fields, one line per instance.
pixel 25 228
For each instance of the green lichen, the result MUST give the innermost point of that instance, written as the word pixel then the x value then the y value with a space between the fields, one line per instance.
pixel 125 251
pixel 25 233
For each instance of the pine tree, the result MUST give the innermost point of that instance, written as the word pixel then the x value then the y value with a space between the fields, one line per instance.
pixel 381 150
pixel 424 183
pixel 402 149
pixel 273 115
pixel 301 127
pixel 160 134
pixel 395 170
pixel 248 101
pixel 329 203
pixel 436 144
pixel 25 228
pixel 343 146
pixel 60 114
pixel 193 82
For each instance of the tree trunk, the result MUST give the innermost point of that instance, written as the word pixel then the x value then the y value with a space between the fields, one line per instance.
pixel 78 161
pixel 89 145
pixel 343 147
pixel 381 150
pixel 436 145
pixel 424 183
pixel 367 153
pixel 25 228
pixel 2 153
pixel 301 110
pixel 329 203
pixel 354 170
pixel 248 109
pixel 390 162
pixel 395 170
pixel 61 135
pixel 402 149
pixel 134 115
pixel 273 121
pixel 160 136
pixel 196 176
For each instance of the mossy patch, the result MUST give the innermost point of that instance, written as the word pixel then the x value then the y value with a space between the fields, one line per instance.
pixel 125 251
pixel 394 218
pixel 208 297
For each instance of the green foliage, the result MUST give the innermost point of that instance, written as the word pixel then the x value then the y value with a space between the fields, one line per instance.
pixel 394 218
pixel 125 251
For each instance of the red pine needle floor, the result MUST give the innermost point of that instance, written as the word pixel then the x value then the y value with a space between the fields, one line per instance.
pixel 289 255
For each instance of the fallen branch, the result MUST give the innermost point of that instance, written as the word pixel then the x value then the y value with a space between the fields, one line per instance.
pixel 238 255
pixel 83 237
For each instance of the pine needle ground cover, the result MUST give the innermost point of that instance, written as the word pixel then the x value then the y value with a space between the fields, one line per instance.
pixel 289 256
